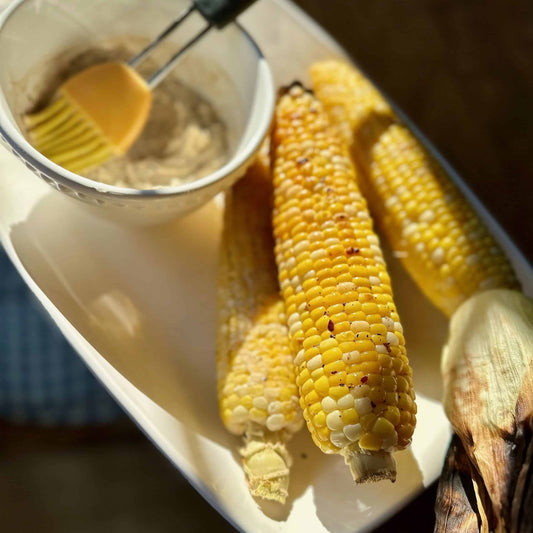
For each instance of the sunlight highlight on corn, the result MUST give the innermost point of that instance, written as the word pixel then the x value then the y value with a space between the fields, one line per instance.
pixel 438 236
pixel 354 377
pixel 257 383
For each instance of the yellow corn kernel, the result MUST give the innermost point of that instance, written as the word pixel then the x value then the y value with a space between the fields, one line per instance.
pixel 371 442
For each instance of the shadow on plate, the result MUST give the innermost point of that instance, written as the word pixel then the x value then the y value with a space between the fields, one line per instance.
pixel 144 299
pixel 355 505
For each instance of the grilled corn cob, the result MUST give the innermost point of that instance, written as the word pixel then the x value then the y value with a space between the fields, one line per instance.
pixel 257 382
pixel 353 374
pixel 440 239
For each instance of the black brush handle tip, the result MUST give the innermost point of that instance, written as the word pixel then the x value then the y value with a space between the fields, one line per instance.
pixel 220 12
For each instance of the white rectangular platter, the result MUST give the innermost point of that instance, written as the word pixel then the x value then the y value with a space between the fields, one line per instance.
pixel 139 307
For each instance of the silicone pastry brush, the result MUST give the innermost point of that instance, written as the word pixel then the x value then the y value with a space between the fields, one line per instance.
pixel 102 110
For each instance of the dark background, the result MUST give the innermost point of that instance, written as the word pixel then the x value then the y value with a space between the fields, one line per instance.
pixel 463 71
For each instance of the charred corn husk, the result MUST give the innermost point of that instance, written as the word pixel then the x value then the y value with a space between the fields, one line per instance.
pixel 438 236
pixel 455 508
pixel 353 374
pixel 488 382
pixel 257 383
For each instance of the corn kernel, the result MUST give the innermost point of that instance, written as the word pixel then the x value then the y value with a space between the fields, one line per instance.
pixel 370 442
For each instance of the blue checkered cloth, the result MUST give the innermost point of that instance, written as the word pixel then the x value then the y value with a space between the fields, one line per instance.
pixel 42 380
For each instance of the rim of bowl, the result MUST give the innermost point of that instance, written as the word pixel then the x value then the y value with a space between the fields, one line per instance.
pixel 20 145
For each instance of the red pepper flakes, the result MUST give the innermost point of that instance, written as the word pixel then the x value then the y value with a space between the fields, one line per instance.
pixel 364 379
pixel 331 325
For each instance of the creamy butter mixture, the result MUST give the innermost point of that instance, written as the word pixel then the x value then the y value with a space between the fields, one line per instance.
pixel 183 139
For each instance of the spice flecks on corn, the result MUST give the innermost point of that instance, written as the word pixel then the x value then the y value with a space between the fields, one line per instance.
pixel 354 377
pixel 442 242
pixel 257 383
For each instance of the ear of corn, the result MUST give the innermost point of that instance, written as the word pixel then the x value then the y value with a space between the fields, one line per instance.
pixel 353 373
pixel 438 236
pixel 257 382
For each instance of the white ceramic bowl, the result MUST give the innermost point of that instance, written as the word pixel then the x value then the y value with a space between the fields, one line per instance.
pixel 226 67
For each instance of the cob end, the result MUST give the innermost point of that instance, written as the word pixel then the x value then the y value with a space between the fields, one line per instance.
pixel 266 465
pixel 369 467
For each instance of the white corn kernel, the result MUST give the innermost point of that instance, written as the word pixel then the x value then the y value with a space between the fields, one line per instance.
pixel 427 216
pixel 318 254
pixel 363 406
pixel 271 393
pixel 300 358
pixel 334 420
pixel 295 328
pixel 302 246
pixel 350 357
pixel 293 318
pixel 409 230
pixel 260 403
pixel 241 390
pixel 345 402
pixel 275 422
pixel 360 391
pixel 345 287
pixel 388 323
pixel 353 431
pixel 329 404
pixel 360 325
pixel 438 256
pixel 240 413
pixel 390 201
pixel 392 339
pixel 274 407
pixel 339 439
pixel 314 363
pixel 309 275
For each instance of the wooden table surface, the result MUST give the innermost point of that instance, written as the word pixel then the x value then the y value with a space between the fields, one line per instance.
pixel 463 72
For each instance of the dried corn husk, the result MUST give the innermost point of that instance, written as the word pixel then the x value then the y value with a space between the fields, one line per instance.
pixel 456 508
pixel 488 377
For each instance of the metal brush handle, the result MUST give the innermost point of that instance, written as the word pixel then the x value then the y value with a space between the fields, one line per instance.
pixel 216 12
